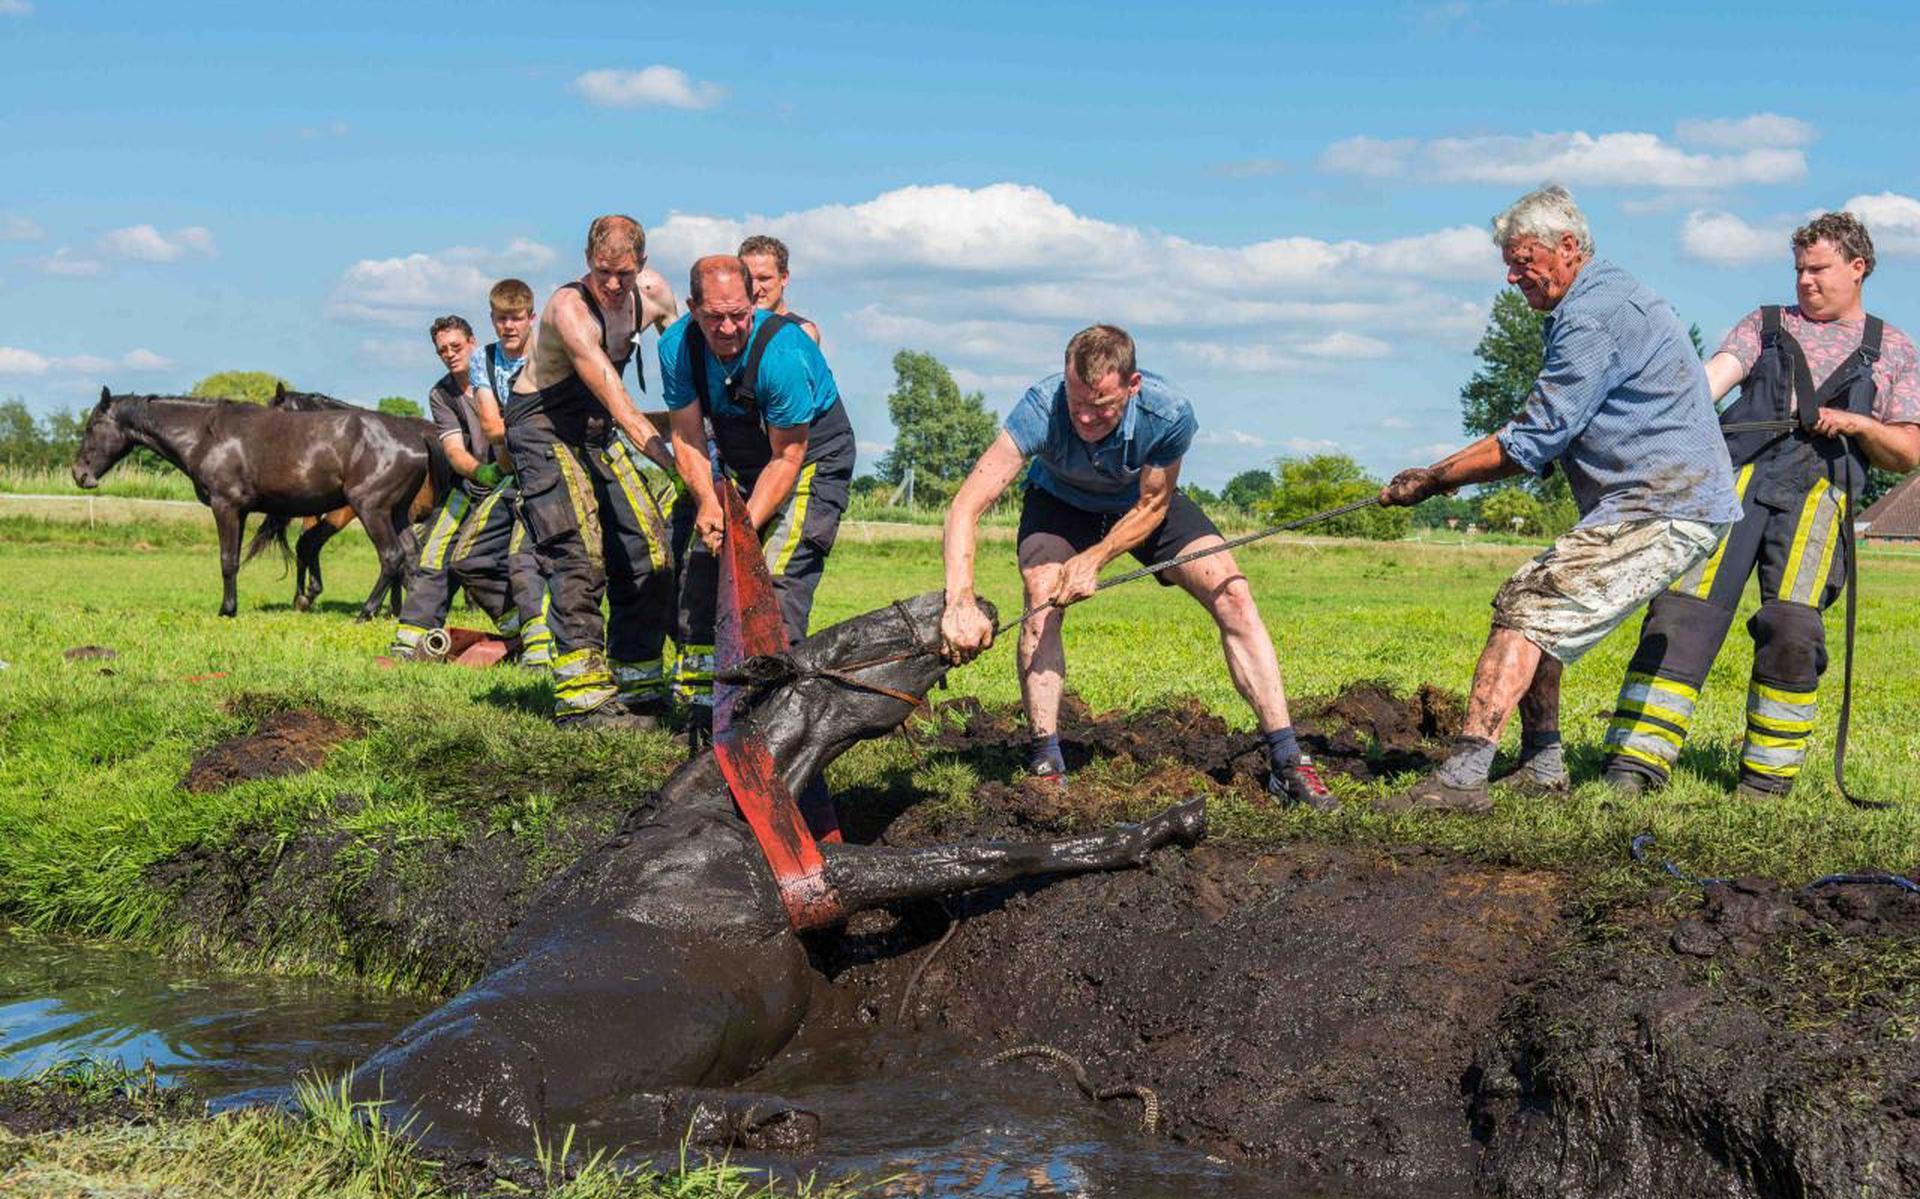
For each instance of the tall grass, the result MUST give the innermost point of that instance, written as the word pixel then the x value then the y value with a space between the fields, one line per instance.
pixel 126 481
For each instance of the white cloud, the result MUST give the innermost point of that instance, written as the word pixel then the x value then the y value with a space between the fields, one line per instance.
pixel 1347 346
pixel 1745 133
pixel 410 289
pixel 63 261
pixel 1309 445
pixel 655 86
pixel 147 244
pixel 1398 424
pixel 873 449
pixel 395 353
pixel 1432 452
pixel 1892 219
pixel 1237 438
pixel 19 228
pixel 15 8
pixel 1623 159
pixel 1724 239
pixel 16 361
pixel 145 360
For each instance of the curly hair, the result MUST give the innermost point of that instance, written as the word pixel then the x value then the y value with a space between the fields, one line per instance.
pixel 1843 230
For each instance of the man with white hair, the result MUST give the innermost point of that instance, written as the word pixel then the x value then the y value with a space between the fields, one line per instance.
pixel 1621 404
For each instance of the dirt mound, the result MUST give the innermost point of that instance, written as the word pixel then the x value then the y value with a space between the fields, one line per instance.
pixel 284 743
pixel 84 1093
pixel 84 653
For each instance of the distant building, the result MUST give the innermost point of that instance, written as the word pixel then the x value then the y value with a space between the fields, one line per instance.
pixel 1895 516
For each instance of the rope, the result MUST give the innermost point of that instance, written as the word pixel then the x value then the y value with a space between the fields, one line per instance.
pixel 1183 559
pixel 1880 878
pixel 1150 1102
pixel 913 980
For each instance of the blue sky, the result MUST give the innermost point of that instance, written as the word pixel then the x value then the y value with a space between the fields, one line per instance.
pixel 1286 204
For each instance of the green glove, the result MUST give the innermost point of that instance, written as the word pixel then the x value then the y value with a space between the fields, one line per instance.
pixel 487 475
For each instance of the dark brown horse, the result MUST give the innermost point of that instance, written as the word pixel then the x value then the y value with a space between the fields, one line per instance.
pixel 244 458
pixel 307 583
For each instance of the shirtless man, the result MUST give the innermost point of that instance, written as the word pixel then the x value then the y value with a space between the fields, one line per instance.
pixel 596 526
pixel 766 259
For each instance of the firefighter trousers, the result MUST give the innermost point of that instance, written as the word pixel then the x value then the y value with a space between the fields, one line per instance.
pixel 597 530
pixel 1798 551
pixel 474 542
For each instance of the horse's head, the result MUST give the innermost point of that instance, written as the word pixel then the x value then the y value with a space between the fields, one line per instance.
pixel 105 440
pixel 855 680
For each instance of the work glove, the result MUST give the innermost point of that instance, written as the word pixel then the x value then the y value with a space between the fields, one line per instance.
pixel 487 475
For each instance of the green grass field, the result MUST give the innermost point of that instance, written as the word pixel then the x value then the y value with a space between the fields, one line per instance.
pixel 91 751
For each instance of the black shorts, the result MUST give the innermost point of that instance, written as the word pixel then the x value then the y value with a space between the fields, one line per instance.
pixel 1043 512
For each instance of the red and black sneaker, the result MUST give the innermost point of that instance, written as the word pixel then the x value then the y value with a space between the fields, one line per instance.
pixel 1298 782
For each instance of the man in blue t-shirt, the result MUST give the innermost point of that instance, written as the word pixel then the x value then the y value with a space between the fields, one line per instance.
pixel 491 374
pixel 779 430
pixel 1106 441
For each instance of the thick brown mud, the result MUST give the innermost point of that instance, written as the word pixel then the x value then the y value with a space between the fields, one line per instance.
pixel 284 743
pixel 1390 1020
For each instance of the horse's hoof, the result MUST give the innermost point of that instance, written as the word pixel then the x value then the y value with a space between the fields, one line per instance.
pixel 1187 821
pixel 301 603
pixel 363 618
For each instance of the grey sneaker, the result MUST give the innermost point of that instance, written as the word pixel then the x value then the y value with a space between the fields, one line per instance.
pixel 1526 782
pixel 1431 794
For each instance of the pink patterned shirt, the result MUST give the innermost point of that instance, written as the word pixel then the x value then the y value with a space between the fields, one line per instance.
pixel 1896 376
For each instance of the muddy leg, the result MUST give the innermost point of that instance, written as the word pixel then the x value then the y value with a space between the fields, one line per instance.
pixel 865 876
pixel 715 1119
pixel 306 553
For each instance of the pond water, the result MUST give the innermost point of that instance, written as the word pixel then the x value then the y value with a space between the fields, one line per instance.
pixel 915 1108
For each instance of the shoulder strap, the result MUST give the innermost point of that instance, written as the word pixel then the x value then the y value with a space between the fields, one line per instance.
pixel 1769 320
pixel 694 346
pixel 746 382
pixel 1870 338
pixel 593 305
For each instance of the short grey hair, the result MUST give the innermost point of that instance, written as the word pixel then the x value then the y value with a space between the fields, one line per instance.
pixel 1546 215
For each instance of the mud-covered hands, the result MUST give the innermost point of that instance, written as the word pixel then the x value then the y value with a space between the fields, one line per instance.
pixel 965 631
pixel 1079 578
pixel 1411 486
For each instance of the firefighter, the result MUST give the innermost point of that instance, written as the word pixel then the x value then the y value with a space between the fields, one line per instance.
pixel 469 538
pixel 597 527
pixel 510 304
pixel 1828 370
pixel 750 394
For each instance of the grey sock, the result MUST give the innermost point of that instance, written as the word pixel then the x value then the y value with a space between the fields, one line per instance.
pixel 1469 764
pixel 1541 755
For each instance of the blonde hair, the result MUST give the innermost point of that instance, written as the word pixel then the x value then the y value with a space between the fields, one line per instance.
pixel 510 296
pixel 616 234
pixel 1099 349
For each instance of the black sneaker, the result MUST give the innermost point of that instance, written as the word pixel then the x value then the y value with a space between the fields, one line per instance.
pixel 1298 782
pixel 611 715
pixel 1754 792
pixel 699 729
pixel 1628 784
pixel 1526 782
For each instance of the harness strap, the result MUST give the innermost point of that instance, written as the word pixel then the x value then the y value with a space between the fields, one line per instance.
pixel 742 384
pixel 1846 686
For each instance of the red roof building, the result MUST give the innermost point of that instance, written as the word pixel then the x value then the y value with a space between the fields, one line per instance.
pixel 1895 516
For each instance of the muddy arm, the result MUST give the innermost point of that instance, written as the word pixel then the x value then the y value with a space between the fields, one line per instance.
pixel 865 876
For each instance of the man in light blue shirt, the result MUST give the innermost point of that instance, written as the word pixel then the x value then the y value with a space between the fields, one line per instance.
pixel 1106 441
pixel 1621 404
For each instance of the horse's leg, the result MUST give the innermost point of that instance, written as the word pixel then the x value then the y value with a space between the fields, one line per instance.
pixel 377 518
pixel 866 876
pixel 306 552
pixel 409 553
pixel 231 523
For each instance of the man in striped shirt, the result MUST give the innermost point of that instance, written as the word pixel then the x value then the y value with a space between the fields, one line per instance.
pixel 1621 405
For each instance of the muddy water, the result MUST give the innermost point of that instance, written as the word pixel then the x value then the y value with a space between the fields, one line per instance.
pixel 918 1109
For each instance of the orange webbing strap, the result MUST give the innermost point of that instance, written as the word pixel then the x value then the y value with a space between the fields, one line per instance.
pixel 747 624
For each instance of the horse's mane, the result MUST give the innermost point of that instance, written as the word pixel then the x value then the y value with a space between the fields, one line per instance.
pixel 319 400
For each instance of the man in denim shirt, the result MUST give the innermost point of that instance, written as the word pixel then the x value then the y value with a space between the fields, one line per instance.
pixel 1622 405
pixel 1106 441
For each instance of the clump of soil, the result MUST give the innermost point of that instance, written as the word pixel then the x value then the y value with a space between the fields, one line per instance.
pixel 83 653
pixel 284 743
pixel 84 1093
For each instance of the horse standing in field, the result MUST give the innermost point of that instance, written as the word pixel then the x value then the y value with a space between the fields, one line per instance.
pixel 665 963
pixel 244 458
pixel 307 583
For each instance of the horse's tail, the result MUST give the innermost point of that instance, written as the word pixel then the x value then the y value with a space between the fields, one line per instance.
pixel 273 528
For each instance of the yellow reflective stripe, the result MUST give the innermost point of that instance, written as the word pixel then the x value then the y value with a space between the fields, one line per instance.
pixel 473 527
pixel 797 519
pixel 1772 724
pixel 434 556
pixel 1640 755
pixel 517 538
pixel 1655 681
pixel 1698 582
pixel 1683 719
pixel 580 495
pixel 1781 695
pixel 640 499
pixel 1809 510
pixel 1755 737
pixel 1782 770
pixel 1828 528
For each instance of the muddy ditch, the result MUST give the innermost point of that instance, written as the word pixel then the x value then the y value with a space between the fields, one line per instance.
pixel 1392 1019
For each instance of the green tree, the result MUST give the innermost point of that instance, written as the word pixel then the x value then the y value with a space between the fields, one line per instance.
pixel 1199 494
pixel 1249 490
pixel 1513 510
pixel 1435 511
pixel 254 387
pixel 1323 481
pixel 1510 354
pixel 399 406
pixel 47 443
pixel 937 431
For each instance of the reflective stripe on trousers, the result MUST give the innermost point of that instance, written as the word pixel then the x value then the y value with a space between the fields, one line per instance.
pixel 581 682
pixel 1651 719
pixel 1779 727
